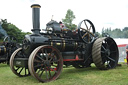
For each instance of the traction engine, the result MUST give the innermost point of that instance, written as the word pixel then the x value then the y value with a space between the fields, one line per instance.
pixel 7 47
pixel 43 55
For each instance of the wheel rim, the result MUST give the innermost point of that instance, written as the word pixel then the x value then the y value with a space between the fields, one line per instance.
pixel 10 39
pixel 105 53
pixel 45 63
pixel 86 31
pixel 19 71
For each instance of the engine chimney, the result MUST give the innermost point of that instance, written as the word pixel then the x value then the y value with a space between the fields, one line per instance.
pixel 36 18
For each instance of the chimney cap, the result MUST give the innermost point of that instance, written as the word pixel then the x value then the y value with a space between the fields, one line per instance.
pixel 35 6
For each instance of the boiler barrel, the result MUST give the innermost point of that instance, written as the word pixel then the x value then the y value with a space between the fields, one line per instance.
pixel 65 45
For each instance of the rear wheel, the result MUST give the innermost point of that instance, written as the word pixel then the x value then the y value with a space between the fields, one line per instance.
pixel 105 53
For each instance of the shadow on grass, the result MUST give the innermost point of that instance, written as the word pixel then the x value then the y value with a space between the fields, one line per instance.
pixel 75 70
pixel 123 66
pixel 3 65
pixel 67 73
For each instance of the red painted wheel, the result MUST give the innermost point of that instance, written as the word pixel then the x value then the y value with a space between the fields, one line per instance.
pixel 45 63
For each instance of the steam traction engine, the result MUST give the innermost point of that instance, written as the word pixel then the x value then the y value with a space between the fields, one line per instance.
pixel 7 47
pixel 44 54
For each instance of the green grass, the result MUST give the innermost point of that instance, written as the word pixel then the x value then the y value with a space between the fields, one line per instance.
pixel 71 76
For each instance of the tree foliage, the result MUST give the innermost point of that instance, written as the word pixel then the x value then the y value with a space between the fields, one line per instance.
pixel 12 30
pixel 68 20
pixel 116 33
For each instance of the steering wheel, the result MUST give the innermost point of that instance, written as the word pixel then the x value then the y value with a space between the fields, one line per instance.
pixel 86 31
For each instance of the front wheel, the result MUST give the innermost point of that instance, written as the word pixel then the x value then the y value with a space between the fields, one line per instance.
pixel 45 63
pixel 18 70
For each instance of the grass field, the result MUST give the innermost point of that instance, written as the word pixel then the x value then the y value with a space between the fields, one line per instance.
pixel 71 76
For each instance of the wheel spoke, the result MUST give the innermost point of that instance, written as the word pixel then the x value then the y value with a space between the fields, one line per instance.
pixel 41 73
pixel 86 25
pixel 54 65
pixel 89 28
pixel 108 64
pixel 35 60
pixel 49 73
pixel 52 51
pixel 17 69
pixel 103 48
pixel 111 59
pixel 53 70
pixel 51 58
pixel 39 57
pixel 102 51
pixel 84 35
pixel 46 73
pixel 88 38
pixel 25 71
pixel 21 70
pixel 46 54
pixel 54 61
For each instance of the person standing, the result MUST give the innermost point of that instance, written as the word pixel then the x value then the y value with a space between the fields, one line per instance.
pixel 127 54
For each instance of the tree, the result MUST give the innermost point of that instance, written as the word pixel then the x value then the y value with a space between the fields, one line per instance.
pixel 97 34
pixel 125 29
pixel 116 33
pixel 68 20
pixel 12 30
pixel 125 32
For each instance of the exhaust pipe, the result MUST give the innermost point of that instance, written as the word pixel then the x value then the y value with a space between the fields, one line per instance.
pixel 36 18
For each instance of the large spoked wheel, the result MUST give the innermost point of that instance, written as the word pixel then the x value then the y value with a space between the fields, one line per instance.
pixel 45 63
pixel 86 31
pixel 18 70
pixel 105 53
